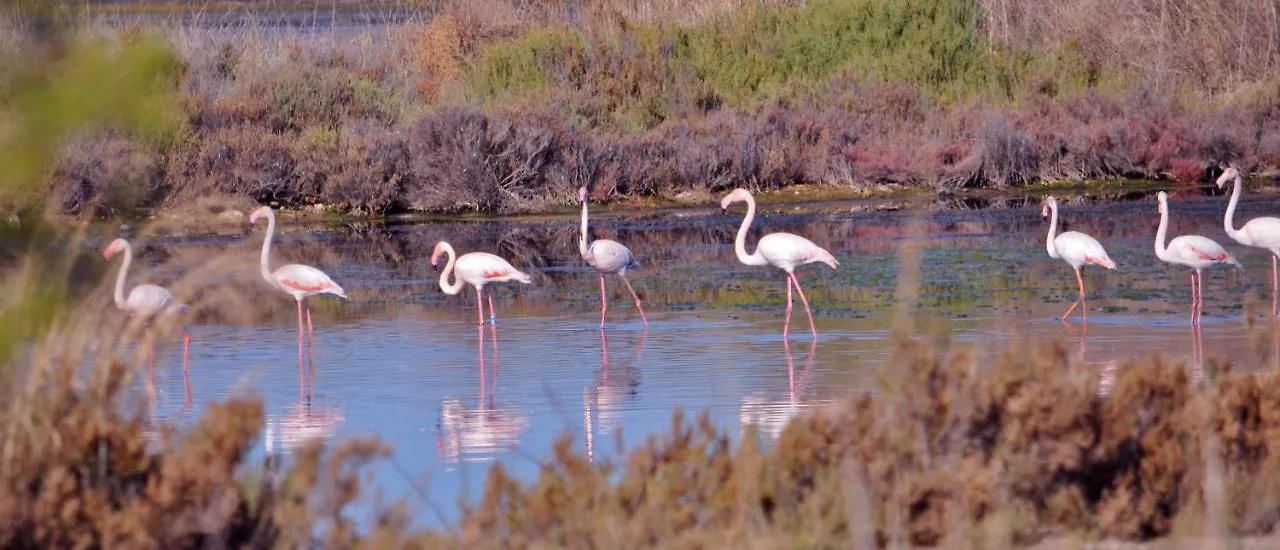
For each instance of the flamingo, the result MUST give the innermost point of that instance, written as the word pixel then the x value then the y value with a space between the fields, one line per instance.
pixel 297 280
pixel 146 301
pixel 1261 232
pixel 607 257
pixel 1075 248
pixel 476 269
pixel 784 251
pixel 1193 251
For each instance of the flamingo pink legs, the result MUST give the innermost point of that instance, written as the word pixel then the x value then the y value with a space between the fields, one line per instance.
pixel 604 302
pixel 1084 311
pixel 636 298
pixel 786 326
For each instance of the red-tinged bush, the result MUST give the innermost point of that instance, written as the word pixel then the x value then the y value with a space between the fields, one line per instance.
pixel 1185 170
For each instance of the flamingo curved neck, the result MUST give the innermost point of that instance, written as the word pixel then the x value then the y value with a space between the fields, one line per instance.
pixel 124 269
pixel 1053 230
pixel 1162 251
pixel 1228 222
pixel 582 241
pixel 266 247
pixel 740 243
pixel 456 287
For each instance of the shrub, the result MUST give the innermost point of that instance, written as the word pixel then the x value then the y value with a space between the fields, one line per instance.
pixel 102 174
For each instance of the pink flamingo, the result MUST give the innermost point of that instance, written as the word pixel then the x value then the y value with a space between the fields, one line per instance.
pixel 1075 248
pixel 297 280
pixel 1260 232
pixel 607 257
pixel 1193 251
pixel 146 301
pixel 784 251
pixel 476 269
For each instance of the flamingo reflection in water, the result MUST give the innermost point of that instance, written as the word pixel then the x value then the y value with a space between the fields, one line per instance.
pixel 602 404
pixel 153 429
pixel 1107 369
pixel 772 417
pixel 304 421
pixel 474 434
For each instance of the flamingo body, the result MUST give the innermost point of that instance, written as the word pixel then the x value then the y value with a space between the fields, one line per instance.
pixel 607 256
pixel 302 281
pixel 149 300
pixel 784 251
pixel 476 269
pixel 610 257
pixel 1196 252
pixel 1076 249
pixel 481 268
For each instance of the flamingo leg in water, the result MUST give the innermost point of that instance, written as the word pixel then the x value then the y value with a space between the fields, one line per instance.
pixel 791 364
pixel 480 352
pixel 604 303
pixel 1079 300
pixel 633 295
pixel 311 359
pixel 479 308
pixel 1275 287
pixel 301 369
pixel 1199 295
pixel 1193 296
pixel 311 333
pixel 186 350
pixel 493 317
pixel 786 319
pixel 493 376
pixel 804 301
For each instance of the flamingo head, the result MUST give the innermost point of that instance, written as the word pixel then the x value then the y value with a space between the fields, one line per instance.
pixel 1163 199
pixel 115 246
pixel 436 253
pixel 1049 202
pixel 259 213
pixel 734 196
pixel 1229 174
pixel 582 194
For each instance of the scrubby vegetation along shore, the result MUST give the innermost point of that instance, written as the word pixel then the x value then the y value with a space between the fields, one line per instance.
pixel 952 449
pixel 507 107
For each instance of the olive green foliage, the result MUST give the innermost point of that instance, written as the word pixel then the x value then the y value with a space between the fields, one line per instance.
pixel 127 85
pixel 741 54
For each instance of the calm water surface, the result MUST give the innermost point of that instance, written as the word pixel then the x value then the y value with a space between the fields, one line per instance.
pixel 406 362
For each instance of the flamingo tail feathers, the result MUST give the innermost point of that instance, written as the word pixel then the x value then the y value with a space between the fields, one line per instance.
pixel 1103 261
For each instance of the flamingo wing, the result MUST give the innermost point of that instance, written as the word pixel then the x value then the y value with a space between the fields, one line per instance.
pixel 785 250
pixel 611 256
pixel 305 279
pixel 148 299
pixel 1197 249
pixel 1079 249
pixel 479 268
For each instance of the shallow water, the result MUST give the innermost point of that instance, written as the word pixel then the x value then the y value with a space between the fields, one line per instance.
pixel 406 362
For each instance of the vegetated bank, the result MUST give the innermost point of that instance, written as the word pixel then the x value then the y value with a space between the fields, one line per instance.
pixel 509 107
